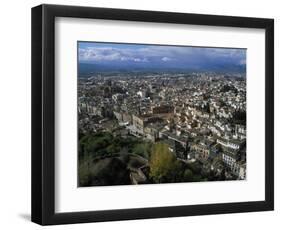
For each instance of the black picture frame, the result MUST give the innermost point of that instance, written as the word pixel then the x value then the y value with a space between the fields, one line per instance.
pixel 43 114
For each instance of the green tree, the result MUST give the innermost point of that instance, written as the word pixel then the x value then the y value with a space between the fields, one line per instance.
pixel 164 166
pixel 187 175
pixel 142 149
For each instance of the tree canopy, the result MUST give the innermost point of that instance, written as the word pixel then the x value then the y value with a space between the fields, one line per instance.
pixel 164 165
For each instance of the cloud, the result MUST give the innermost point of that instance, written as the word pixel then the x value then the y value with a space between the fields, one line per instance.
pixel 177 55
pixel 99 54
pixel 134 59
pixel 166 59
pixel 242 62
pixel 110 54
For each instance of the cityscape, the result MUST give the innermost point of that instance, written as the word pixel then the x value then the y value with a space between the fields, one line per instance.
pixel 151 114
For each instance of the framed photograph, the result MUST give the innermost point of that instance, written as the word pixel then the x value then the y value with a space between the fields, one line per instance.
pixel 141 114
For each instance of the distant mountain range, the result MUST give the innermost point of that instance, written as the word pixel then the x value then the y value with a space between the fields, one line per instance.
pixel 86 69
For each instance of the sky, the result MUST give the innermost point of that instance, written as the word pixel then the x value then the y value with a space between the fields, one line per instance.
pixel 158 56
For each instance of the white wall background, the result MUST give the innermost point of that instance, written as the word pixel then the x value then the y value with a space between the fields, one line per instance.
pixel 15 113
